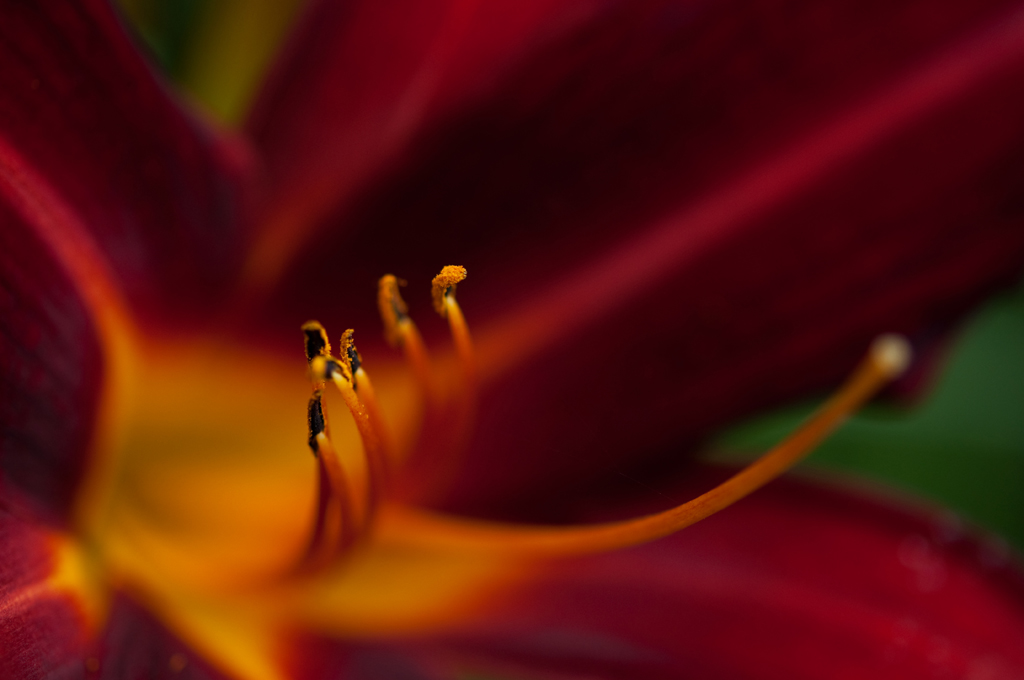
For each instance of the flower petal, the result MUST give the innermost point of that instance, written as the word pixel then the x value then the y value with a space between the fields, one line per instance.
pixel 360 79
pixel 795 582
pixel 134 644
pixel 47 613
pixel 711 207
pixel 152 186
pixel 51 365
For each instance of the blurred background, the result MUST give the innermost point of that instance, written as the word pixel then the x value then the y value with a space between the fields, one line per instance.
pixel 958 443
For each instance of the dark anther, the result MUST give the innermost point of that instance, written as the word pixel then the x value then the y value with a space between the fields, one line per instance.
pixel 332 367
pixel 353 357
pixel 399 309
pixel 316 422
pixel 316 343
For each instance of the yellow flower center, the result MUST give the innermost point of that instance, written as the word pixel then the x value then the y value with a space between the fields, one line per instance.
pixel 217 519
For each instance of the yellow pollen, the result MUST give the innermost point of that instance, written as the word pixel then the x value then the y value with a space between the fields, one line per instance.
pixel 443 287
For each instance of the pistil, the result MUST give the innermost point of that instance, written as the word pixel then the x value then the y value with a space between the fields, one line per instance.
pixel 887 359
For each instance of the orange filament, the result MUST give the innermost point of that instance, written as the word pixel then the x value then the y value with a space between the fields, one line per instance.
pixel 443 294
pixel 364 476
pixel 332 531
pixel 334 515
pixel 400 331
pixel 887 359
pixel 349 481
pixel 362 384
pixel 451 405
pixel 334 510
pixel 368 396
pixel 464 393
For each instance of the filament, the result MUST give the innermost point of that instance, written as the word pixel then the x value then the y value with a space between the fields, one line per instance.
pixel 887 359
pixel 363 386
pixel 349 481
pixel 364 477
pixel 334 509
pixel 463 394
pixel 443 293
pixel 446 418
pixel 400 331
pixel 330 534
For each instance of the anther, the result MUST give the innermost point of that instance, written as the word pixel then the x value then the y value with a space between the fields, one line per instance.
pixel 317 425
pixel 350 356
pixel 317 343
pixel 443 287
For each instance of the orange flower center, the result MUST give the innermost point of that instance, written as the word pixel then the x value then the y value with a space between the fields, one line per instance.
pixel 207 514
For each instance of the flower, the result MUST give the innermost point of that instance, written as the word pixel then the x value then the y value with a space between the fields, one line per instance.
pixel 653 179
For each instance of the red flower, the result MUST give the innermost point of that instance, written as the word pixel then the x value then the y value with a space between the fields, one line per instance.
pixel 675 213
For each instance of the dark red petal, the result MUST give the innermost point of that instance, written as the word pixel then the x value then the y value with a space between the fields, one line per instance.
pixel 794 582
pixel 686 212
pixel 136 646
pixel 154 188
pixel 51 367
pixel 42 631
pixel 361 78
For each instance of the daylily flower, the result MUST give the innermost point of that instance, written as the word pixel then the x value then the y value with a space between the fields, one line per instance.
pixel 673 214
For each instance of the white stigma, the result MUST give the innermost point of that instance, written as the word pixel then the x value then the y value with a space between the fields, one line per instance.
pixel 892 354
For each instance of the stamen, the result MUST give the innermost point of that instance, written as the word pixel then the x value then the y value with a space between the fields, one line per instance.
pixel 349 483
pixel 333 516
pixel 400 331
pixel 362 485
pixel 463 392
pixel 443 293
pixel 317 422
pixel 888 358
pixel 449 414
pixel 443 286
pixel 363 386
